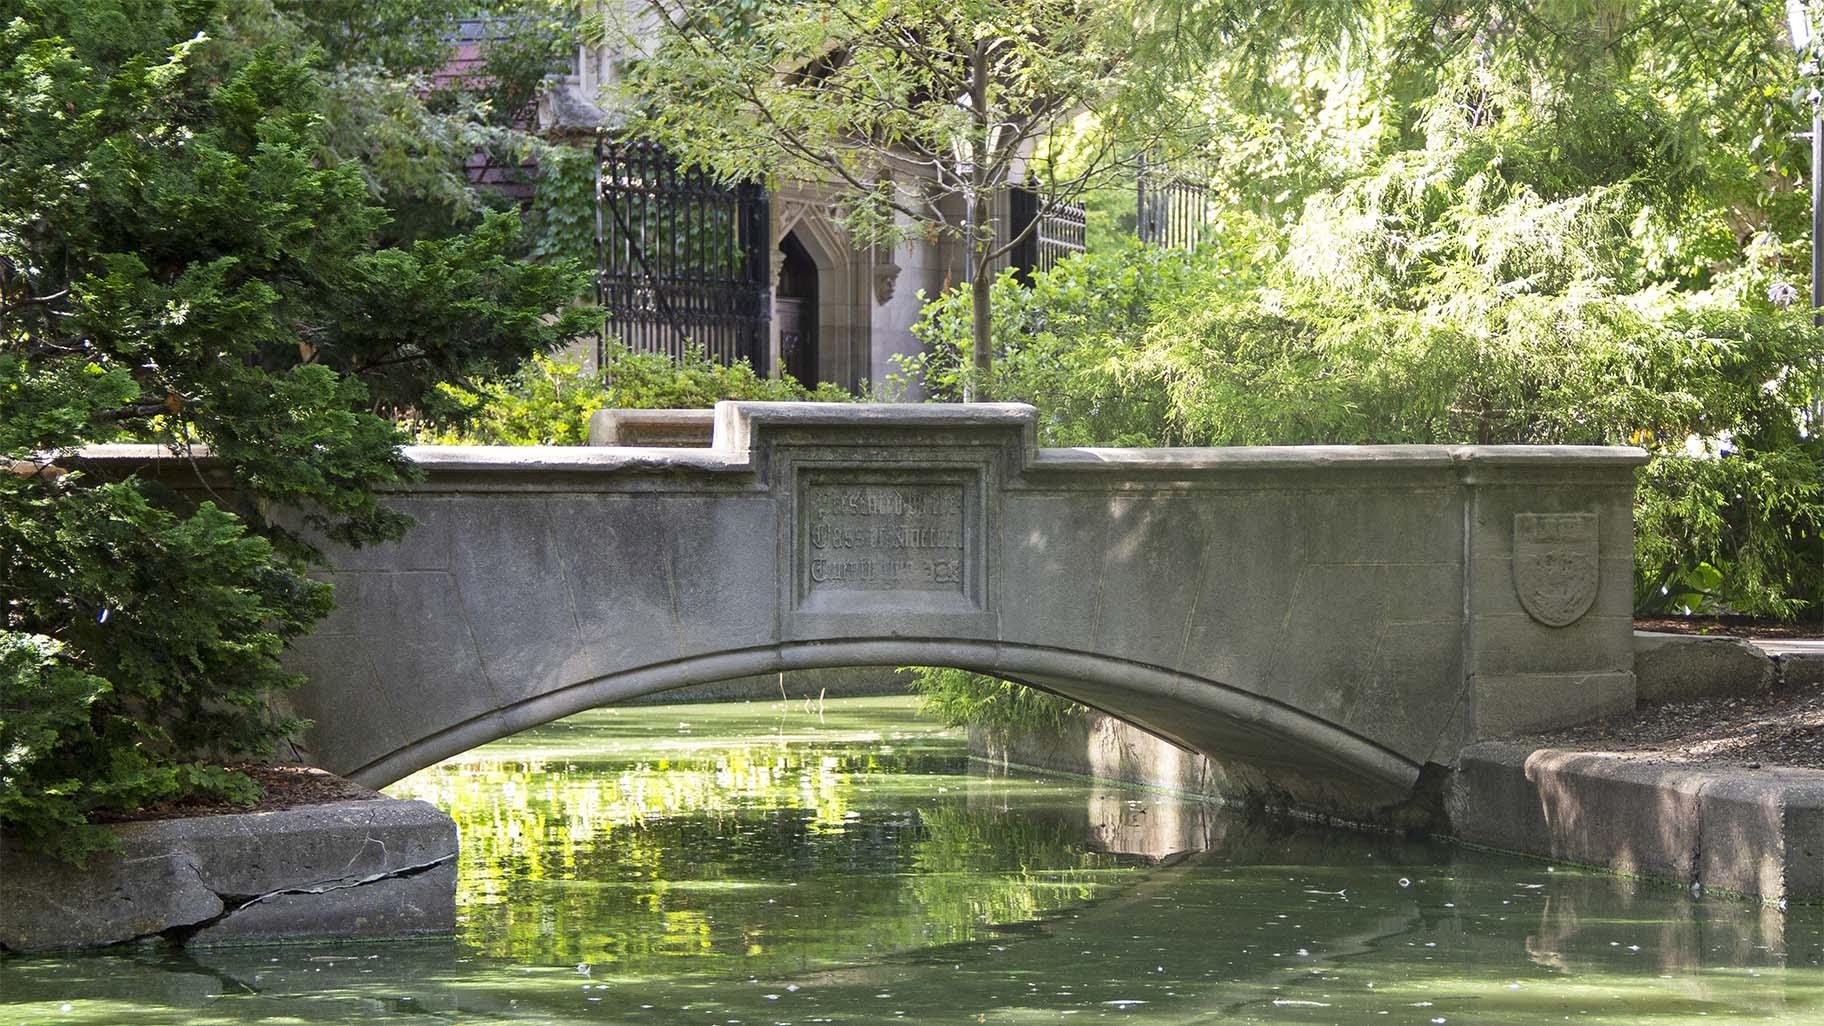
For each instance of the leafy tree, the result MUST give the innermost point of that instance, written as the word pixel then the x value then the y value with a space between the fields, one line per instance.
pixel 1061 340
pixel 1490 222
pixel 394 105
pixel 918 115
pixel 186 258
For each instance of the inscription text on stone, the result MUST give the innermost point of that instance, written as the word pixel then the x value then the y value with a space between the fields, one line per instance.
pixel 881 537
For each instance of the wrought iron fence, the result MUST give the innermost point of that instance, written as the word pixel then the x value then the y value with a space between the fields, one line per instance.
pixel 1172 203
pixel 1062 231
pixel 681 259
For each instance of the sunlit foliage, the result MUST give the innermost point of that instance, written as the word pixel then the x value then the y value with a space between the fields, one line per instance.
pixel 549 401
pixel 1485 223
pixel 675 840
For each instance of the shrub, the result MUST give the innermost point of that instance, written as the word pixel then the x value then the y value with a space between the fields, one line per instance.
pixel 185 258
pixel 549 401
pixel 961 698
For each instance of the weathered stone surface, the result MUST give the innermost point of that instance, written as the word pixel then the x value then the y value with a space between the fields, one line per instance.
pixel 1104 748
pixel 1799 661
pixel 665 429
pixel 1678 667
pixel 1324 619
pixel 1801 669
pixel 1524 703
pixel 1754 832
pixel 352 869
pixel 797 686
pixel 419 902
pixel 330 845
pixel 138 892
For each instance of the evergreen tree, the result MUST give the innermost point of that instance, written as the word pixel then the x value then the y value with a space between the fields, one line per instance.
pixel 189 254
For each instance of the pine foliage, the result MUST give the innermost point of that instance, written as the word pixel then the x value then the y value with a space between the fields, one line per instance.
pixel 186 257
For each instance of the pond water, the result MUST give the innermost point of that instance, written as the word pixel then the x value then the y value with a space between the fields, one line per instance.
pixel 768 864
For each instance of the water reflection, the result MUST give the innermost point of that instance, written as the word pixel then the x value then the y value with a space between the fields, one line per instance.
pixel 755 864
pixel 745 837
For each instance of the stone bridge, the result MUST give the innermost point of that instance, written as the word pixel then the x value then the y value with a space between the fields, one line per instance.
pixel 1323 621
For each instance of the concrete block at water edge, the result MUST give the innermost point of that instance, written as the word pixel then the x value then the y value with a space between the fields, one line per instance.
pixel 372 868
pixel 404 906
pixel 46 905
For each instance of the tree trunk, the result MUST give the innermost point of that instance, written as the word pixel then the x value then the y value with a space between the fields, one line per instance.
pixel 984 343
pixel 977 215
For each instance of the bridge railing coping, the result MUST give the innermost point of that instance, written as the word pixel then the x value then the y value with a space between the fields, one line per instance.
pixel 1265 457
pixel 739 425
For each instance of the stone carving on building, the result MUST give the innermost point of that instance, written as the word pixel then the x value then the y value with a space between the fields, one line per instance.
pixel 804 214
pixel 1555 565
pixel 886 275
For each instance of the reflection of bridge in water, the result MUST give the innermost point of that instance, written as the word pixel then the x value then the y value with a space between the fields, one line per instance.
pixel 1325 621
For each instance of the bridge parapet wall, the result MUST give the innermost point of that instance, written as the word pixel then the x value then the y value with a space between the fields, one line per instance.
pixel 1325 620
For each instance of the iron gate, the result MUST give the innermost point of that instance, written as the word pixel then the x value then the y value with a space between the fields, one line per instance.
pixel 681 259
pixel 1173 203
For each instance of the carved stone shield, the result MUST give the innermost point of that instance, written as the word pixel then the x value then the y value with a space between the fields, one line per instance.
pixel 1555 568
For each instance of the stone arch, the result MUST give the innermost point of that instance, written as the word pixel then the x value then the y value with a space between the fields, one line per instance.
pixel 1192 712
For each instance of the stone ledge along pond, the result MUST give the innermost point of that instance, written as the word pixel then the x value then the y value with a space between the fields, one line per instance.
pixel 766 863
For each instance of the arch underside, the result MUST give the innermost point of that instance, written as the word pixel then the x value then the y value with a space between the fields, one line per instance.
pixel 1271 743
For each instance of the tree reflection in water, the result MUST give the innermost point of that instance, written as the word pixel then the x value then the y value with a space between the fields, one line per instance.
pixel 607 843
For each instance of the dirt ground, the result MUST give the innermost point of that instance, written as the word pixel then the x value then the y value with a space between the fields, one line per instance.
pixel 1733 626
pixel 1778 727
pixel 287 787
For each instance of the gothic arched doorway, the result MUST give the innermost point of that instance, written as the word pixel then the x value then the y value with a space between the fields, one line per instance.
pixel 796 307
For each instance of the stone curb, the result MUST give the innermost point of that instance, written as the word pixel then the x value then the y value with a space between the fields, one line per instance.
pixel 378 868
pixel 1800 660
pixel 1752 832
pixel 1681 667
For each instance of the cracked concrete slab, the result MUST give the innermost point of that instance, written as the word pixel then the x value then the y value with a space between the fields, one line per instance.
pixel 412 900
pixel 140 892
pixel 376 868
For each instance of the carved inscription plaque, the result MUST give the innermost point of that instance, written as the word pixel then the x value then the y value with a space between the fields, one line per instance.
pixel 884 537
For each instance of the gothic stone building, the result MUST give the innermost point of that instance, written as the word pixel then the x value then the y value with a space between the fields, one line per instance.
pixel 769 276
